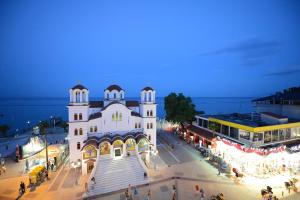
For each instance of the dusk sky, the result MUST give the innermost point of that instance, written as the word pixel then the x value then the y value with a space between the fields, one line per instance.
pixel 201 48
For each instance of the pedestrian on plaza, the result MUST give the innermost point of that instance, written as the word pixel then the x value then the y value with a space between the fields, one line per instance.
pixel 127 194
pixel 24 187
pixel 174 196
pixel 289 188
pixel 202 194
pixel 86 187
pixel 282 193
pixel 197 190
pixel 93 179
pixel 148 195
pixel 20 190
pixel 135 193
pixel 47 175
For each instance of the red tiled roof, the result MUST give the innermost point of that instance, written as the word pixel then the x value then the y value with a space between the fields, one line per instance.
pixel 201 132
pixel 274 115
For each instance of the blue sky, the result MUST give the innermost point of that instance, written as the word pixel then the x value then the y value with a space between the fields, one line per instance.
pixel 200 48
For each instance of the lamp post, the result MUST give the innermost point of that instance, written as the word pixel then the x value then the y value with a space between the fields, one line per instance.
pixel 53 118
pixel 75 165
pixel 28 122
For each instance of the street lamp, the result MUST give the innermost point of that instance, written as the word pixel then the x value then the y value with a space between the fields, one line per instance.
pixel 53 121
pixel 75 165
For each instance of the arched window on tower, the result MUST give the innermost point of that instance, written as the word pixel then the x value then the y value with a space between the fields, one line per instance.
pixel 113 117
pixel 135 126
pixel 151 113
pixel 147 125
pixel 117 116
pixel 115 95
pixel 147 112
pixel 80 116
pixel 83 96
pixel 107 96
pixel 77 97
pixel 150 96
pixel 91 129
pixel 121 95
pixel 75 116
pixel 76 131
pixel 78 145
pixel 151 125
pixel 145 97
pixel 95 129
pixel 80 131
pixel 140 125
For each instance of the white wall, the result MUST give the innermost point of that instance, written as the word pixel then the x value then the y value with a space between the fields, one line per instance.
pixel 127 120
pixel 78 109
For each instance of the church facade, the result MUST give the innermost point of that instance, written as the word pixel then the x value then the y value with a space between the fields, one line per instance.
pixel 111 128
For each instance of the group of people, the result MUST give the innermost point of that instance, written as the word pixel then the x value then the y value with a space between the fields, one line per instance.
pixel 132 193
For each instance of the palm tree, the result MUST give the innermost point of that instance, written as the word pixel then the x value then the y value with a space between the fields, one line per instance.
pixel 43 125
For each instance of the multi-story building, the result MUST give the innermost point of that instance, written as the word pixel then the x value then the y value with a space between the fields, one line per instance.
pixel 258 144
pixel 110 128
pixel 285 103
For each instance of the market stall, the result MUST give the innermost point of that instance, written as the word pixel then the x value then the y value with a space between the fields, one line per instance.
pixel 37 174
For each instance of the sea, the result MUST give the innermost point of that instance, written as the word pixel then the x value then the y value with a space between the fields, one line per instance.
pixel 23 113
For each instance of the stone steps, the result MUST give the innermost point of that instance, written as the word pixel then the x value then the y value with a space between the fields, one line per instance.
pixel 112 175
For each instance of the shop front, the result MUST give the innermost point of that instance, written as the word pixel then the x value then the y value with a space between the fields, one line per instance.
pixel 257 162
pixel 56 155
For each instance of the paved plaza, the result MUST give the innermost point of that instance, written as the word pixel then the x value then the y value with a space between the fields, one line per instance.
pixel 182 167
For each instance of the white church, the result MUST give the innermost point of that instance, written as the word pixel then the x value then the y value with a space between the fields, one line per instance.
pixel 112 128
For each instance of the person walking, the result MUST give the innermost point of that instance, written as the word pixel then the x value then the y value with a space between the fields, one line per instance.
pixel 202 194
pixel 148 197
pixel 135 193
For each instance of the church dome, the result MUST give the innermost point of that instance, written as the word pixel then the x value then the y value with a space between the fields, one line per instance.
pixel 79 86
pixel 114 87
pixel 147 88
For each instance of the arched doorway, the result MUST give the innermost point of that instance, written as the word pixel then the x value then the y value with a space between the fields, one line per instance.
pixel 104 148
pixel 118 148
pixel 143 145
pixel 89 154
pixel 130 145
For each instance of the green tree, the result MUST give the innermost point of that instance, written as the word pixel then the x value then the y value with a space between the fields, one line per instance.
pixel 3 129
pixel 179 108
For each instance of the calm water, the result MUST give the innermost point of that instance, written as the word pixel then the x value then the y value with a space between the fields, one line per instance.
pixel 17 111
